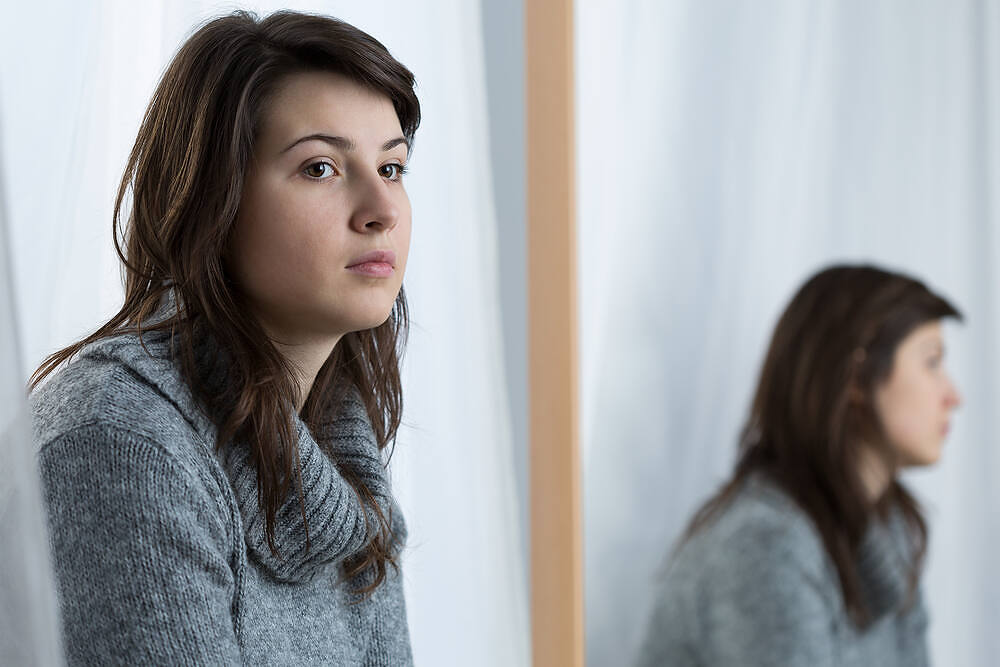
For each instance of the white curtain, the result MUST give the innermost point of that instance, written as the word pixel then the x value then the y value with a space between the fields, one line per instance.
pixel 29 613
pixel 74 81
pixel 727 150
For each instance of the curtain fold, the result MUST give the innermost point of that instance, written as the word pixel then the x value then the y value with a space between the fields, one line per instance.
pixel 29 621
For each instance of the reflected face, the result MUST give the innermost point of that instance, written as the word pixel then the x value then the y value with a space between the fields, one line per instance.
pixel 321 239
pixel 915 402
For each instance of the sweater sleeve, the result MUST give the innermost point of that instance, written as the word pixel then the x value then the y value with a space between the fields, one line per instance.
pixel 764 606
pixel 141 553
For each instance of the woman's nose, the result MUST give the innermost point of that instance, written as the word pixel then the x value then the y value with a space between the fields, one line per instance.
pixel 952 398
pixel 376 209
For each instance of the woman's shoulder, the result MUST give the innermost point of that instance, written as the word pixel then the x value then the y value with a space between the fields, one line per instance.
pixel 121 389
pixel 756 559
pixel 760 530
pixel 120 415
pixel 120 383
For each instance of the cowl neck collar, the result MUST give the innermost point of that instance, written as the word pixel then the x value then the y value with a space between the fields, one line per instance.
pixel 883 557
pixel 323 520
pixel 884 561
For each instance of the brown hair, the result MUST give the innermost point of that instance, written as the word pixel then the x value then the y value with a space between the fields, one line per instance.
pixel 814 407
pixel 185 179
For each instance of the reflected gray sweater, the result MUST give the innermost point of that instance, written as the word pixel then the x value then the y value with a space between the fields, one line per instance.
pixel 756 588
pixel 158 542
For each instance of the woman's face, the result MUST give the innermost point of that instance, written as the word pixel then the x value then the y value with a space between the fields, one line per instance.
pixel 915 402
pixel 321 238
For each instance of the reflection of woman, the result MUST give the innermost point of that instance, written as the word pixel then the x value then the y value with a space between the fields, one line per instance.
pixel 216 489
pixel 811 554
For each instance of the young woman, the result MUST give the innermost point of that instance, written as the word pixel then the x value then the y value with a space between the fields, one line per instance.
pixel 811 554
pixel 212 456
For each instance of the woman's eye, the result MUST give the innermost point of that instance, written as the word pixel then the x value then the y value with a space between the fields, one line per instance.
pixel 392 171
pixel 318 170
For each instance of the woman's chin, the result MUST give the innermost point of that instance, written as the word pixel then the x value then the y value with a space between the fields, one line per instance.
pixel 922 458
pixel 368 320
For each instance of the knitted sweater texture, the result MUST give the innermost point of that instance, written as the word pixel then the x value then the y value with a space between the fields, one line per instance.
pixel 756 588
pixel 158 541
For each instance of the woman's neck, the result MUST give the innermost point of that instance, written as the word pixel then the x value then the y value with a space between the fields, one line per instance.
pixel 876 472
pixel 306 352
pixel 306 358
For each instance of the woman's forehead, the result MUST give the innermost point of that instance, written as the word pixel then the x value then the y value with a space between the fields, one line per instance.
pixel 325 103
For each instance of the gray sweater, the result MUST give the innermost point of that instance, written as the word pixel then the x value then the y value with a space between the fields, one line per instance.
pixel 158 542
pixel 756 588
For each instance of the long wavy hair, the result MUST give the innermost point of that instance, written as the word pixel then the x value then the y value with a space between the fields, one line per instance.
pixel 814 410
pixel 175 210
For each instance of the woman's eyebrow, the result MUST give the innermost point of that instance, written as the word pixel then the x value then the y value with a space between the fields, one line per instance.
pixel 392 143
pixel 343 143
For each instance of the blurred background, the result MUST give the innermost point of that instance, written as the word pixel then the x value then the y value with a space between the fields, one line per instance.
pixel 725 151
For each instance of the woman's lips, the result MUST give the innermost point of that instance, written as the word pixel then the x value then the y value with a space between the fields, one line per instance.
pixel 375 264
pixel 372 269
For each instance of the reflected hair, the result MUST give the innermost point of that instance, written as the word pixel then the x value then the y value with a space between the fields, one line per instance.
pixel 814 408
pixel 174 213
